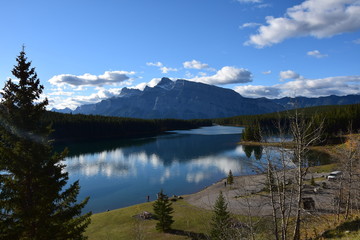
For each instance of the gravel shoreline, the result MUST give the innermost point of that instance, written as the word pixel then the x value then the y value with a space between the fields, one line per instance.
pixel 246 195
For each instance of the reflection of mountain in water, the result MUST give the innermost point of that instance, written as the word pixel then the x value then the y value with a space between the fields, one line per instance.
pixel 184 148
pixel 200 150
pixel 168 148
pixel 121 158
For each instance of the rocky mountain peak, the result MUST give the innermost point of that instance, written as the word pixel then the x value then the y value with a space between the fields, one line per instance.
pixel 165 83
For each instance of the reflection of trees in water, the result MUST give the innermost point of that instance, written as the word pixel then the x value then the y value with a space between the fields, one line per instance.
pixel 313 158
pixel 249 150
pixel 93 147
pixel 316 158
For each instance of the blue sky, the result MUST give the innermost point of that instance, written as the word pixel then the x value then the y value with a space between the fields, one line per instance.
pixel 86 51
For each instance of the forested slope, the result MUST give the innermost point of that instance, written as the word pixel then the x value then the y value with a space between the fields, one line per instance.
pixel 336 118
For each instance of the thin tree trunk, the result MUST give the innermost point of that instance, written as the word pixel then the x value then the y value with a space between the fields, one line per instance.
pixel 298 210
pixel 273 202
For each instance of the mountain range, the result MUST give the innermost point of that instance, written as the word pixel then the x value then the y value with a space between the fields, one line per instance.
pixel 184 99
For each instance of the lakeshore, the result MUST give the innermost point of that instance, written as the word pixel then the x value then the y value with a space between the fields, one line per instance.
pixel 192 214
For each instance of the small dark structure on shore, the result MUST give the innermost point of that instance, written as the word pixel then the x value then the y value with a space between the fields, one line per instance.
pixel 308 203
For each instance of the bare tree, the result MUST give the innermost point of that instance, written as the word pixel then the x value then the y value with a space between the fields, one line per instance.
pixel 286 168
pixel 350 162
pixel 279 183
pixel 305 133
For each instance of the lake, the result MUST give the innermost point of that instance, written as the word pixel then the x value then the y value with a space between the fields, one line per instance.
pixel 121 173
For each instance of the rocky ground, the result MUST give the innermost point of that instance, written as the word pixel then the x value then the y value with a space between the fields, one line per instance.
pixel 247 196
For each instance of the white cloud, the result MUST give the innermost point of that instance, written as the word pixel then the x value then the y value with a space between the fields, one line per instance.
pixel 194 64
pixel 266 72
pixel 153 82
pixel 317 54
pixel 167 69
pixel 341 86
pixel 75 101
pixel 108 78
pixel 257 91
pixel 357 41
pixel 289 74
pixel 317 18
pixel 249 25
pixel 226 75
pixel 140 86
pixel 323 87
pixel 203 74
pixel 154 64
pixel 161 66
pixel 61 93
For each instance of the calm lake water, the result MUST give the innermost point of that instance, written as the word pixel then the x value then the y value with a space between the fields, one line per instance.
pixel 116 174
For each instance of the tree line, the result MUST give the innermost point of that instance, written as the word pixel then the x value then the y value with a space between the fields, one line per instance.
pixel 70 127
pixel 334 120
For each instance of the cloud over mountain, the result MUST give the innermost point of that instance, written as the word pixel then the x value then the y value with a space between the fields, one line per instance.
pixel 194 64
pixel 108 78
pixel 257 91
pixel 317 18
pixel 161 66
pixel 289 74
pixel 341 86
pixel 226 75
pixel 75 101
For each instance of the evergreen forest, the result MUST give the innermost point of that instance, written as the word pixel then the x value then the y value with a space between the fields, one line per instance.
pixel 69 127
pixel 334 120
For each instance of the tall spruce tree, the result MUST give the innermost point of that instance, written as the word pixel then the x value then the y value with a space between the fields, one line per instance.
pixel 33 201
pixel 221 221
pixel 163 210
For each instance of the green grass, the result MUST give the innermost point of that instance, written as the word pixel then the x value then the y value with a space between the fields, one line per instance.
pixel 323 168
pixel 346 230
pixel 120 223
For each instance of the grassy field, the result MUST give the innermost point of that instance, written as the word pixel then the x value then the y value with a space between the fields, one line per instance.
pixel 121 223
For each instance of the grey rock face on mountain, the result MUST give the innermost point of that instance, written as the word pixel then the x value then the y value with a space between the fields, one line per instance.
pixel 179 99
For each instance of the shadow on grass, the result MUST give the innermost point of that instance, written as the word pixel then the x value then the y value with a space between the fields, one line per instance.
pixel 192 235
pixel 340 230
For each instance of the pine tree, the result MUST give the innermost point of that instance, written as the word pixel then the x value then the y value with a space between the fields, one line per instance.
pixel 163 210
pixel 230 178
pixel 221 221
pixel 33 203
pixel 252 132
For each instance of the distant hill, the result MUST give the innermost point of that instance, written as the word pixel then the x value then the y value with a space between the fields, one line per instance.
pixel 65 110
pixel 179 99
pixel 304 102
